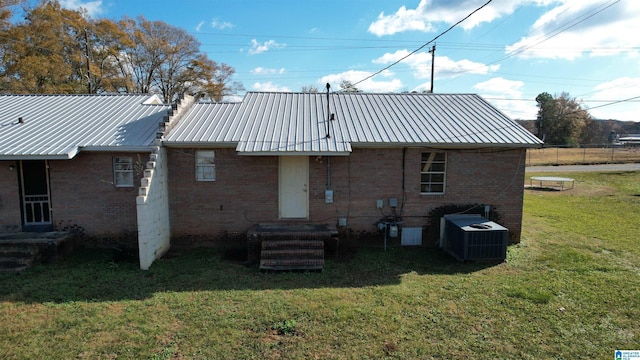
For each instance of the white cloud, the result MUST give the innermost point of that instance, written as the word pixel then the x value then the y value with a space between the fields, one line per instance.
pixel 199 26
pixel 221 25
pixel 618 89
pixel 369 85
pixel 430 12
pixel 269 86
pixel 258 48
pixel 578 27
pixel 420 63
pixel 266 71
pixel 93 8
pixel 504 95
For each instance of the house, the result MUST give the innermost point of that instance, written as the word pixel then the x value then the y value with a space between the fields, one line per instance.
pixel 69 162
pixel 210 171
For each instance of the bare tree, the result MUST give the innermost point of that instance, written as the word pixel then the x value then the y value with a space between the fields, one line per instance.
pixel 309 89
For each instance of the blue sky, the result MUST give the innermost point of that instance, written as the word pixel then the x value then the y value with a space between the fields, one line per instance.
pixel 509 51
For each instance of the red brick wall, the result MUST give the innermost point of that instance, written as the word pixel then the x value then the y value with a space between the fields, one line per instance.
pixel 84 197
pixel 246 189
pixel 245 193
pixel 10 220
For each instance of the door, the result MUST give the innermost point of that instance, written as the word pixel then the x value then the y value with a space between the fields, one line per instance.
pixel 36 206
pixel 293 184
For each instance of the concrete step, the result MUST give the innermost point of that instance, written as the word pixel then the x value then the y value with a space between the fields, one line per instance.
pixel 18 253
pixel 17 257
pixel 14 264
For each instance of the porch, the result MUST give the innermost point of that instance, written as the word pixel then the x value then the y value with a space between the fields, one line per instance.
pixel 19 251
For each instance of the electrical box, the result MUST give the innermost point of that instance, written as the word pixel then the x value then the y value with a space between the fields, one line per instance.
pixel 393 231
pixel 393 202
pixel 328 196
pixel 379 204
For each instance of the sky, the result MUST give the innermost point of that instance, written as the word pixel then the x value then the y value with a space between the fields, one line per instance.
pixel 508 51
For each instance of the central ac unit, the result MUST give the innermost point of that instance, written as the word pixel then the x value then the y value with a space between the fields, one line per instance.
pixel 472 237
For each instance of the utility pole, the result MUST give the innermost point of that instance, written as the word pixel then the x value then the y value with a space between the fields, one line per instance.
pixel 433 58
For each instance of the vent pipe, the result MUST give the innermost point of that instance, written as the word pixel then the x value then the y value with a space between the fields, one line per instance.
pixel 328 114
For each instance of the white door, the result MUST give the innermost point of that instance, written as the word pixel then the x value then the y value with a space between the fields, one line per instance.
pixel 293 183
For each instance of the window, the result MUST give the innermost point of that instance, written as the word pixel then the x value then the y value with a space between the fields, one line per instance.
pixel 205 166
pixel 432 172
pixel 123 171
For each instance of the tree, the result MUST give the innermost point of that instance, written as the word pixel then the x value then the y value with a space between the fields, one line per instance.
pixel 560 119
pixel 45 51
pixel 309 89
pixel 347 86
pixel 105 46
pixel 166 59
pixel 593 132
pixel 55 50
pixel 6 12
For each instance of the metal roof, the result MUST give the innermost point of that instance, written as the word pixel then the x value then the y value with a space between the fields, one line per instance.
pixel 59 126
pixel 297 123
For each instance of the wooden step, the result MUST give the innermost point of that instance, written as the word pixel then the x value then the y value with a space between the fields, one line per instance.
pixel 291 264
pixel 273 244
pixel 292 254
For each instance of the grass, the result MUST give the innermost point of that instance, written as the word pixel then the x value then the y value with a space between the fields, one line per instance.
pixel 570 289
pixel 578 156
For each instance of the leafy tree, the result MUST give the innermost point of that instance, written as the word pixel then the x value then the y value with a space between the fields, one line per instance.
pixel 593 132
pixel 105 46
pixel 45 51
pixel 6 11
pixel 560 119
pixel 55 50
pixel 167 60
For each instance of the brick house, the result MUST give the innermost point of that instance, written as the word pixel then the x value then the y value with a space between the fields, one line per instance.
pixel 423 149
pixel 350 160
pixel 68 162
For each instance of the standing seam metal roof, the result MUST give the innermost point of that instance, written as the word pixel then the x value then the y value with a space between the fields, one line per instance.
pixel 58 126
pixel 296 123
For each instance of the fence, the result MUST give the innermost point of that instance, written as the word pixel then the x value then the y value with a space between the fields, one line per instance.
pixel 584 154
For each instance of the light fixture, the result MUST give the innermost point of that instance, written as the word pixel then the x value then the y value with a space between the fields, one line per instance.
pixel 11 167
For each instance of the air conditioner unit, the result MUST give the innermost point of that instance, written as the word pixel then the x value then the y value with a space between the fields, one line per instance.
pixel 472 237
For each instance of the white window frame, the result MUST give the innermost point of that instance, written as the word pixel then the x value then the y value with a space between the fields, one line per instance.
pixel 123 171
pixel 434 166
pixel 205 165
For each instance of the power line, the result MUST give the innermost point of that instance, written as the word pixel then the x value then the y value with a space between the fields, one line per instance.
pixel 423 45
pixel 614 102
pixel 556 31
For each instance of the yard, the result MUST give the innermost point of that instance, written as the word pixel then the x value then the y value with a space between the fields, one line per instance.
pixel 571 289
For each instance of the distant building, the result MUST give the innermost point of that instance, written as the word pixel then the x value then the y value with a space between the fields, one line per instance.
pixel 630 140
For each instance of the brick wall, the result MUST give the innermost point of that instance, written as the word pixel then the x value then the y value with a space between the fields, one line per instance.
pixel 84 197
pixel 10 220
pixel 246 189
pixel 245 192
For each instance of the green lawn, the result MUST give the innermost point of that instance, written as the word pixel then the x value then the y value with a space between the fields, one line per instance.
pixel 570 290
